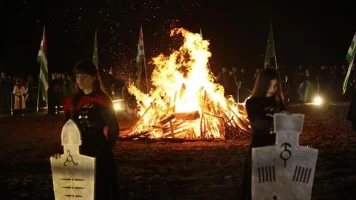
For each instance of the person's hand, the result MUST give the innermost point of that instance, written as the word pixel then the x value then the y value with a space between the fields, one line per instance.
pixel 56 156
pixel 105 130
pixel 269 115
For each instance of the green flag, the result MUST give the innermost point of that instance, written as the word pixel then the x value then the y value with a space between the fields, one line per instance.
pixel 350 59
pixel 270 51
pixel 95 53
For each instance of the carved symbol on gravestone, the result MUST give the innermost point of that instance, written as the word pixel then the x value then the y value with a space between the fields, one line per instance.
pixel 266 174
pixel 302 174
pixel 286 153
pixel 294 165
pixel 73 173
pixel 70 159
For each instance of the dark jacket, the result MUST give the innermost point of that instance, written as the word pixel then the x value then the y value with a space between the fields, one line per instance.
pixel 260 114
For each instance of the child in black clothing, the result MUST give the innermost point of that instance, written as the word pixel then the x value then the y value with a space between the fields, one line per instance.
pixel 266 99
pixel 93 112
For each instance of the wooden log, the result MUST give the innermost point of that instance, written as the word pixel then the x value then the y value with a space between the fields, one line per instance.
pixel 156 127
pixel 190 134
pixel 212 115
pixel 166 120
pixel 182 91
pixel 187 115
pixel 218 129
pixel 202 126
pixel 223 114
pixel 171 128
pixel 166 101
pixel 227 118
pixel 205 102
pixel 168 132
pixel 140 120
pixel 238 121
pixel 142 105
pixel 179 125
pixel 174 102
pixel 132 137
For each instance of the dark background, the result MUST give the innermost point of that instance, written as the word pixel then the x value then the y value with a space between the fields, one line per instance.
pixel 309 34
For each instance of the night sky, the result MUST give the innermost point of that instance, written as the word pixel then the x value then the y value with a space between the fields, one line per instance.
pixel 309 34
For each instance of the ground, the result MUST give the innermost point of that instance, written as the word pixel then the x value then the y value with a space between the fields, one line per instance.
pixel 176 170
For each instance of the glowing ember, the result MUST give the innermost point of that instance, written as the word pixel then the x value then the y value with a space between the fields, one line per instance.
pixel 184 101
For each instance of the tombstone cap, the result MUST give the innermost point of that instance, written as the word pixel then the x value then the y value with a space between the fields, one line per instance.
pixel 288 123
pixel 71 134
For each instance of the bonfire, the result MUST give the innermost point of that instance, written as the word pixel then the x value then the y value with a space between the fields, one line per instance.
pixel 185 102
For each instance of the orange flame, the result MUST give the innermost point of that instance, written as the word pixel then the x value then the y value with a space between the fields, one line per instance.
pixel 185 95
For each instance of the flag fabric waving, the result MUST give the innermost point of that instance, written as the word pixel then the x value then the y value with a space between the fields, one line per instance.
pixel 140 63
pixel 270 50
pixel 350 59
pixel 42 60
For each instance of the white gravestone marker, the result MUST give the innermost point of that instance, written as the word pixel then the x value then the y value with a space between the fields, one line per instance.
pixel 73 174
pixel 286 170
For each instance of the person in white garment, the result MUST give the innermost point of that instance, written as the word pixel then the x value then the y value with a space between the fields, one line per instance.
pixel 19 96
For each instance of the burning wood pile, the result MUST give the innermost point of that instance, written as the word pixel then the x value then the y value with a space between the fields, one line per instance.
pixel 185 101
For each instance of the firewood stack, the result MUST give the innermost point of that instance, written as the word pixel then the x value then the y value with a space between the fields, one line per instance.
pixel 212 120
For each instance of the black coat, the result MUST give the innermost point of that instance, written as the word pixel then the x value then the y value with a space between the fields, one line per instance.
pixel 260 113
pixel 91 118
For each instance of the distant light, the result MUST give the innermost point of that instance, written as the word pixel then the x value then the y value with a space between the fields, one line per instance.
pixel 117 106
pixel 318 101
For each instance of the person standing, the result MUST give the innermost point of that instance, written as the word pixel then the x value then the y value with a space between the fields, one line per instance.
pixel 93 112
pixel 19 93
pixel 266 99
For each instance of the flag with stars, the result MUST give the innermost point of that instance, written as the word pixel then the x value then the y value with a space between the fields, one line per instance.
pixel 95 53
pixel 140 63
pixel 270 51
pixel 42 60
pixel 350 59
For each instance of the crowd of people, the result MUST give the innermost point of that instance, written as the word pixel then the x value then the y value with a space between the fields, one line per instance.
pixel 299 86
pixel 88 104
pixel 21 94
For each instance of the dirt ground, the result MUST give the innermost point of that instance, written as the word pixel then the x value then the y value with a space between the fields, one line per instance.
pixel 175 170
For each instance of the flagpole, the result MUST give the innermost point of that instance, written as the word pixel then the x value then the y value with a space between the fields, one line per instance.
pixel 144 61
pixel 11 103
pixel 350 58
pixel 95 52
pixel 274 48
pixel 38 93
pixel 47 100
pixel 347 76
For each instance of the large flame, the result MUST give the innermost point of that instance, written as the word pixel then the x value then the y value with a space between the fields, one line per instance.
pixel 184 101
